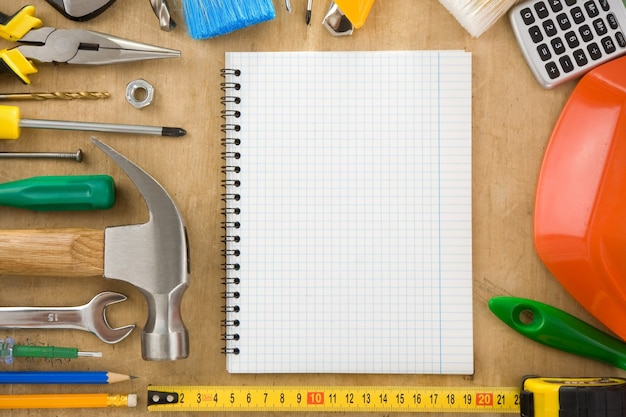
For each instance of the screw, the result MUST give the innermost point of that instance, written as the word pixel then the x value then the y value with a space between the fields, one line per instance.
pixel 77 156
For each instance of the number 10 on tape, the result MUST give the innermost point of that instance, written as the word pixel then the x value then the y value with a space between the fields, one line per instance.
pixel 346 399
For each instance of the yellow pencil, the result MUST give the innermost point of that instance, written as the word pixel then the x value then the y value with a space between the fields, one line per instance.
pixel 34 401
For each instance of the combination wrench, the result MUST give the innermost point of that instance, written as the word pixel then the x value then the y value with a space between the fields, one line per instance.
pixel 89 317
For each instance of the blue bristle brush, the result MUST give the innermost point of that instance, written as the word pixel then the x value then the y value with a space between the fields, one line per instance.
pixel 209 18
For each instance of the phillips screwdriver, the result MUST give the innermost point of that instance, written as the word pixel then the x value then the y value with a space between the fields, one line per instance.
pixel 10 125
pixel 9 350
pixel 309 7
pixel 57 193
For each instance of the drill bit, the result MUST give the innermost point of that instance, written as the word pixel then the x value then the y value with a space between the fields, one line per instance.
pixel 162 11
pixel 58 95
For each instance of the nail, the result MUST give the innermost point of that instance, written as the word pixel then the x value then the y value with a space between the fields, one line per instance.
pixel 77 156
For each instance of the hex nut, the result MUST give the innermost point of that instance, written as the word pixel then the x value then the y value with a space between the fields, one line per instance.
pixel 139 93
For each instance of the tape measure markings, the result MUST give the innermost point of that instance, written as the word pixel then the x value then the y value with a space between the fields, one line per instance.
pixel 339 398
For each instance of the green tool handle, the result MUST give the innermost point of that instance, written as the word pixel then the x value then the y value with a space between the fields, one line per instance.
pixel 555 328
pixel 56 193
pixel 24 351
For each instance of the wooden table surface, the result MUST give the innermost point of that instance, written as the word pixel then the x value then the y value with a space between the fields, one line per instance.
pixel 512 121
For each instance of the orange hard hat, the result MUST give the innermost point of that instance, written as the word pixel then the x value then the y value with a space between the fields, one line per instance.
pixel 580 206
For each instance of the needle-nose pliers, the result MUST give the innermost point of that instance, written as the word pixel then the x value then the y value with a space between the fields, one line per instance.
pixel 39 44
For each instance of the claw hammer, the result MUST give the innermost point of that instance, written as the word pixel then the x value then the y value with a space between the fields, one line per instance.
pixel 152 256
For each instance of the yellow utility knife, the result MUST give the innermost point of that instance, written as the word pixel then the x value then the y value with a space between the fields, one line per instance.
pixel 344 16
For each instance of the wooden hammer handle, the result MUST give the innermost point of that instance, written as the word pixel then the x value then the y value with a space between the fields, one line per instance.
pixel 52 252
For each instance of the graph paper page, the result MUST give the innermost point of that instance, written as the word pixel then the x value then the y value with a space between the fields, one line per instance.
pixel 353 249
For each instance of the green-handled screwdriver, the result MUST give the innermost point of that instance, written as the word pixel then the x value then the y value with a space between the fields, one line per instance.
pixel 9 350
pixel 58 193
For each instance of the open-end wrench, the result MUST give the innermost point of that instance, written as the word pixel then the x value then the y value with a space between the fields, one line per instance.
pixel 90 317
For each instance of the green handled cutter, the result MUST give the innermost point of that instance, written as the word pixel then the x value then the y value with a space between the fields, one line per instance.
pixel 555 328
pixel 57 193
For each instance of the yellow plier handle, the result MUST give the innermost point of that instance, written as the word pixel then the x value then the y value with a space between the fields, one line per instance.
pixel 12 61
pixel 13 28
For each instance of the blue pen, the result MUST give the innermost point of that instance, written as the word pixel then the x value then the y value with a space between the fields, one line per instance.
pixel 61 377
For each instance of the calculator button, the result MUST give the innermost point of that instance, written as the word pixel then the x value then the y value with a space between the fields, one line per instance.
pixel 527 16
pixel 544 52
pixel 572 39
pixel 566 64
pixel 549 27
pixel 612 21
pixel 556 5
pixel 605 5
pixel 535 34
pixel 608 45
pixel 580 58
pixel 621 41
pixel 563 21
pixel 594 51
pixel 558 46
pixel 578 15
pixel 600 27
pixel 570 2
pixel 552 70
pixel 586 33
pixel 542 10
pixel 592 9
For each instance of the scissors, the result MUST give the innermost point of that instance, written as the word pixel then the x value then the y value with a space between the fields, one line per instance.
pixel 81 10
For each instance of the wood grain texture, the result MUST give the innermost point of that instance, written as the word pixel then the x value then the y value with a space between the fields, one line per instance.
pixel 54 252
pixel 512 119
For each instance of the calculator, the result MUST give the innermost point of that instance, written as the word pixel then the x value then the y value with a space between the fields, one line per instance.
pixel 563 39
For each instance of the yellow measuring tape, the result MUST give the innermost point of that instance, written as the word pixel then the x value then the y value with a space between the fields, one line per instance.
pixel 339 398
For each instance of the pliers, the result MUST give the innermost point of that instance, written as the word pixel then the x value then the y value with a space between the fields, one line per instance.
pixel 75 46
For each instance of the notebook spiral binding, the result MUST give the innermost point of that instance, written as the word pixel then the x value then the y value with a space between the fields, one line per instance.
pixel 230 211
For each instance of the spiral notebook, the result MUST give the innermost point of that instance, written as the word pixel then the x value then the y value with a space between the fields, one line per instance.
pixel 348 216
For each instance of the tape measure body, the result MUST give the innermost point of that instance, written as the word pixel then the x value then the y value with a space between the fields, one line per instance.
pixel 329 399
pixel 564 397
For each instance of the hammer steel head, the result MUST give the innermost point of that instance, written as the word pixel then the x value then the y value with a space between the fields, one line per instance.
pixel 154 257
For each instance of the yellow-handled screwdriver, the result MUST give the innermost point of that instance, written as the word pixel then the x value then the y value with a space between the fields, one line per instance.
pixel 11 124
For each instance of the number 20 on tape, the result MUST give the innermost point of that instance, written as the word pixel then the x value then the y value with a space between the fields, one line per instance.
pixel 346 399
